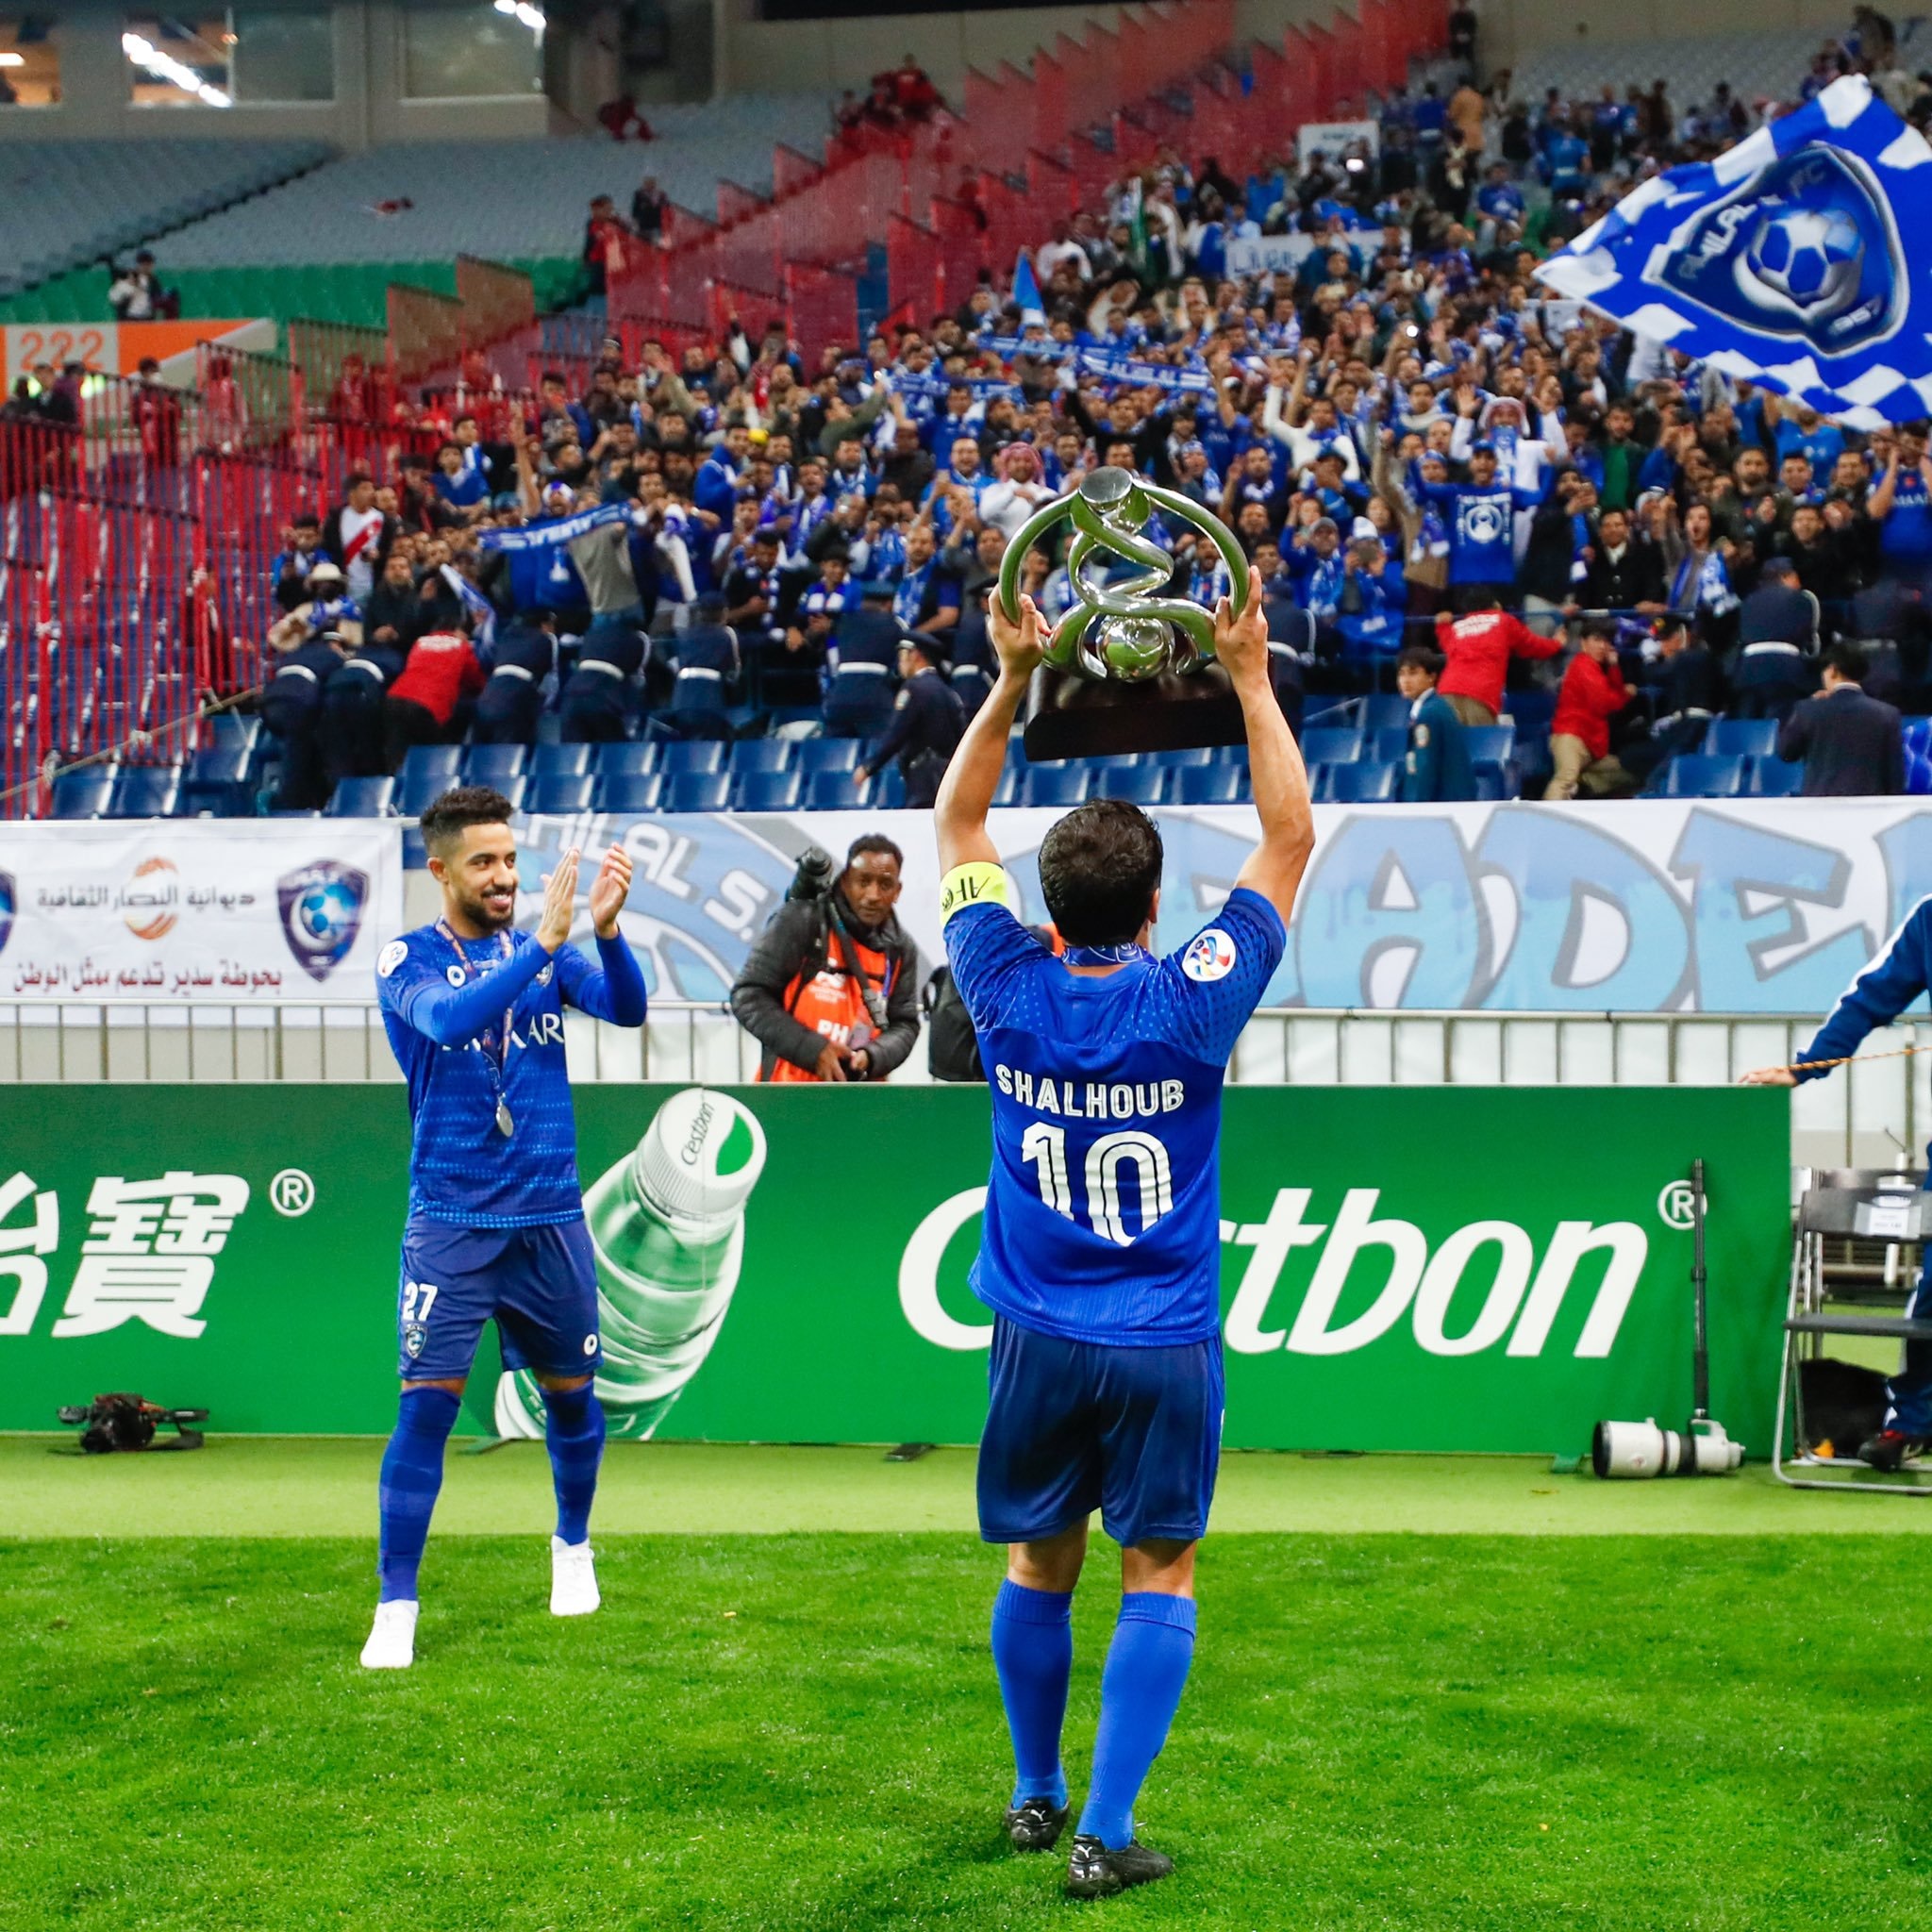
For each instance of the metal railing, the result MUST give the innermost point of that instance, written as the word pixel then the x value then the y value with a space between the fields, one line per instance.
pixel 1863 1115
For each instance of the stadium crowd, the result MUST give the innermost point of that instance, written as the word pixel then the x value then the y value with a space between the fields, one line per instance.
pixel 1439 473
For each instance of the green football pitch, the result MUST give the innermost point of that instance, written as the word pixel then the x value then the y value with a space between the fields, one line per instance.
pixel 1429 1693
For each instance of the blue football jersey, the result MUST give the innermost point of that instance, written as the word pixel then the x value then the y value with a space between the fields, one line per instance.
pixel 444 1007
pixel 1102 1216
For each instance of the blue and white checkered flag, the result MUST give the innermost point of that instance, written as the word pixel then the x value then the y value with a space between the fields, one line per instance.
pixel 1784 261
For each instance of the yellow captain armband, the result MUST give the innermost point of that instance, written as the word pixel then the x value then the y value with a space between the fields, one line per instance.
pixel 974 885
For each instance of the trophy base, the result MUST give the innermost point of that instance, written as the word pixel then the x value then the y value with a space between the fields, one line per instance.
pixel 1069 717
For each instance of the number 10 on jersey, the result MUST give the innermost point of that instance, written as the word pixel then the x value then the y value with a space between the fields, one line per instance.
pixel 1045 1147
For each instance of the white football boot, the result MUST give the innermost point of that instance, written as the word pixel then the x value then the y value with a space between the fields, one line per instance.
pixel 572 1579
pixel 391 1644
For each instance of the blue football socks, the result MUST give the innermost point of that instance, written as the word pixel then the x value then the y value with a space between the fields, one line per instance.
pixel 1033 1651
pixel 574 1429
pixel 411 1475
pixel 1140 1692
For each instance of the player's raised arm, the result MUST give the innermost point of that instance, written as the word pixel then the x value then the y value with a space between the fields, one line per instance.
pixel 1280 779
pixel 973 776
pixel 613 989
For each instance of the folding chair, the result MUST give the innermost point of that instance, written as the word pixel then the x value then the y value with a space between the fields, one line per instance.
pixel 1841 1206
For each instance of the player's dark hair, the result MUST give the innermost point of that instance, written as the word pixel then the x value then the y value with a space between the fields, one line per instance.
pixel 1099 871
pixel 444 818
pixel 875 842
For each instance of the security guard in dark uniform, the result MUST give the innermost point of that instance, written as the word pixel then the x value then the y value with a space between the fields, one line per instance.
pixel 927 723
pixel 291 710
pixel 523 656
pixel 865 646
pixel 596 695
pixel 351 726
pixel 707 669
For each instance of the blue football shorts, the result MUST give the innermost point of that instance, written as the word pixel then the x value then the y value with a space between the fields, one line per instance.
pixel 1075 1426
pixel 540 1284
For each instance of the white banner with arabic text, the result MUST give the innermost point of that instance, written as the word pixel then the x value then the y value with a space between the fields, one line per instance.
pixel 212 909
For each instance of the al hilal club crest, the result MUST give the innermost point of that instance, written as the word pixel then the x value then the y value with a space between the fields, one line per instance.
pixel 1804 248
pixel 322 912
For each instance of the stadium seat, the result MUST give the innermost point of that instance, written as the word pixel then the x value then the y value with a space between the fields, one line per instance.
pixel 216 780
pixel 835 791
pixel 1141 785
pixel 629 791
pixel 145 791
pixel 1690 775
pixel 1056 784
pixel 1741 737
pixel 361 798
pixel 512 789
pixel 816 754
pixel 82 793
pixel 1529 710
pixel 1182 760
pixel 751 755
pixel 698 791
pixel 420 784
pixel 1364 784
pixel 558 761
pixel 690 757
pixel 559 793
pixel 1489 782
pixel 1388 744
pixel 889 788
pixel 1775 777
pixel 1492 745
pixel 491 764
pixel 1007 791
pixel 1211 785
pixel 766 792
pixel 1384 711
pixel 1324 747
pixel 234 727
pixel 627 760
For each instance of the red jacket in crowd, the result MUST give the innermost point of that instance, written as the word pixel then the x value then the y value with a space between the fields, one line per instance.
pixel 1592 695
pixel 443 668
pixel 1479 647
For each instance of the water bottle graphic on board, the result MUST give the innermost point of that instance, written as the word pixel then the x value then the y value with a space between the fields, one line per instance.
pixel 667 1226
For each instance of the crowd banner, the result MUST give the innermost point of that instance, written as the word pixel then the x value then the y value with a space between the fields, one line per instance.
pixel 1274 255
pixel 1643 907
pixel 1423 1269
pixel 215 910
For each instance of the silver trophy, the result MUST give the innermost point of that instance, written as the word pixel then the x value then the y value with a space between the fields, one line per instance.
pixel 1125 670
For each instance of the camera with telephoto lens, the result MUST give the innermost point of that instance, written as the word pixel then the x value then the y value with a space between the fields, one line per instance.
pixel 128 1421
pixel 1642 1449
pixel 816 872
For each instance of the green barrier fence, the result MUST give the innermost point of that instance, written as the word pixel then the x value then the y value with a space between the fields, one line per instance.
pixel 1414 1269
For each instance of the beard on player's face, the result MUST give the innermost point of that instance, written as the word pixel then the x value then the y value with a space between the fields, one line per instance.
pixel 491 907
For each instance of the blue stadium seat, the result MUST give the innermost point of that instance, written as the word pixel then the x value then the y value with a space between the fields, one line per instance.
pixel 1007 791
pixel 558 761
pixel 559 793
pixel 834 792
pixel 1183 760
pixel 1492 745
pixel 1530 710
pixel 1918 745
pixel 361 798
pixel 1489 782
pixel 1741 737
pixel 432 767
pixel 1056 784
pixel 492 764
pixel 1388 744
pixel 1211 785
pixel 1775 777
pixel 816 754
pixel 1688 775
pixel 627 760
pixel 512 789
pixel 1495 779
pixel 234 727
pixel 216 780
pixel 692 757
pixel 629 791
pixel 698 791
pixel 889 788
pixel 1132 784
pixel 1324 747
pixel 82 793
pixel 1385 711
pixel 1364 784
pixel 145 791
pixel 766 792
pixel 751 755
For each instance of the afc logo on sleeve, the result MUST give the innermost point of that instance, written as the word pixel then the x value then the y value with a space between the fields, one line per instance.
pixel 1209 958
pixel 391 957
